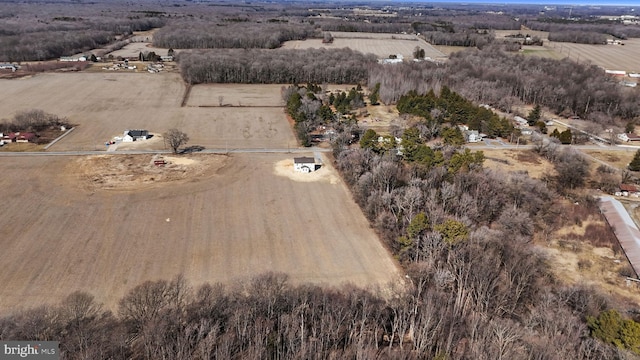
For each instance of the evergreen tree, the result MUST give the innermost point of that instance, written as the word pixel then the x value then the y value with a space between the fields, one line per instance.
pixel 566 137
pixel 534 115
pixel 634 165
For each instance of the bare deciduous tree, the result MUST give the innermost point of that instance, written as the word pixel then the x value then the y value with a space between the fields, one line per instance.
pixel 175 138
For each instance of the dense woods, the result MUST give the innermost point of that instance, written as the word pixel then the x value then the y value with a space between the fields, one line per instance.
pixel 340 66
pixel 243 35
pixel 492 76
pixel 53 30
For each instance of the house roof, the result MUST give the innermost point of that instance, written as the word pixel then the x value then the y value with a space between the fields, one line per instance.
pixel 136 133
pixel 628 187
pixel 304 160
pixel 26 136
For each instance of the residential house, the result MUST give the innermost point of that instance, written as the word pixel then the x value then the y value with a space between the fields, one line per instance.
pixel 627 189
pixel 472 136
pixel 304 164
pixel 135 135
pixel 628 137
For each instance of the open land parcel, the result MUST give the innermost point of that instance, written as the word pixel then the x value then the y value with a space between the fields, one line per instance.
pixel 106 224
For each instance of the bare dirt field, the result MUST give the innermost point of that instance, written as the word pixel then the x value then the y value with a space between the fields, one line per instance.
pixel 105 224
pixel 381 45
pixel 135 48
pixel 611 57
pixel 617 159
pixel 215 95
pixel 517 160
pixel 103 105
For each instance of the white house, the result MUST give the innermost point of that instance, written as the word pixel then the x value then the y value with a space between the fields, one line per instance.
pixel 304 164
pixel 135 135
pixel 9 67
pixel 472 136
pixel 521 121
pixel 628 137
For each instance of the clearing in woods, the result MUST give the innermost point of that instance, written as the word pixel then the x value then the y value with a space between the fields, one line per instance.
pixel 381 45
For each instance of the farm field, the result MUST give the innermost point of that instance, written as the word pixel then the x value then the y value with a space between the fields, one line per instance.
pixel 208 95
pixel 106 104
pixel 135 48
pixel 381 45
pixel 105 224
pixel 610 57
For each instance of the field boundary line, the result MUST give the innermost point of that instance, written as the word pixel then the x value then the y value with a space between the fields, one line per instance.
pixel 185 97
pixel 59 138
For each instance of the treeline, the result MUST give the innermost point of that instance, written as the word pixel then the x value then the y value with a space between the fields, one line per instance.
pixel 494 77
pixel 580 37
pixel 466 38
pixel 278 66
pixel 361 26
pixel 452 310
pixel 245 35
pixel 33 120
pixel 557 29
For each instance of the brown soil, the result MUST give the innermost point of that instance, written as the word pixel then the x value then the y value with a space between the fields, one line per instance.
pixel 133 172
pixel 105 224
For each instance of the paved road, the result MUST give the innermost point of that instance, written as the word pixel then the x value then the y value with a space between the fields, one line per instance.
pixel 493 146
pixel 137 152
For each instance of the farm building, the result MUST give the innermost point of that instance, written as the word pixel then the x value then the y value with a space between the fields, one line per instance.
pixel 626 190
pixel 135 135
pixel 72 58
pixel 616 72
pixel 304 164
pixel 9 67
pixel 628 137
pixel 19 137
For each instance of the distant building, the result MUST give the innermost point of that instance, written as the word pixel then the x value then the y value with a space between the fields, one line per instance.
pixel 628 137
pixel 11 67
pixel 472 136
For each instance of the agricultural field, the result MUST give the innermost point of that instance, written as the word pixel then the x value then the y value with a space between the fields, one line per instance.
pixel 381 45
pixel 611 57
pixel 104 224
pixel 103 105
pixel 236 95
pixel 135 48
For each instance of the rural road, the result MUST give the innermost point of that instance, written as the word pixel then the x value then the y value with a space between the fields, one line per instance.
pixel 137 152
pixel 288 150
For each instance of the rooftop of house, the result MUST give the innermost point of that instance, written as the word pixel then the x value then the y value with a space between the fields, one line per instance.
pixel 304 160
pixel 628 187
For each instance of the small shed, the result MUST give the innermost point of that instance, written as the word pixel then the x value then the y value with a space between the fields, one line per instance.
pixel 304 164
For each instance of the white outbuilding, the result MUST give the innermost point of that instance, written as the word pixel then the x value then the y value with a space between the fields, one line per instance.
pixel 304 164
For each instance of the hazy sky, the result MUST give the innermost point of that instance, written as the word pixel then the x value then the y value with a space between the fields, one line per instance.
pixel 552 2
